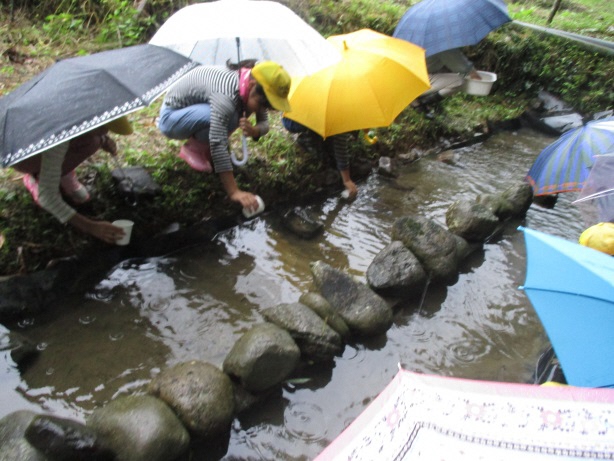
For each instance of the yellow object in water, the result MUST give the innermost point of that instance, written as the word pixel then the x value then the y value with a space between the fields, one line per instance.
pixel 120 126
pixel 599 237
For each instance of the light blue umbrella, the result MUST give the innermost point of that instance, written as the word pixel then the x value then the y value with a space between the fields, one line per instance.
pixel 564 165
pixel 440 25
pixel 571 288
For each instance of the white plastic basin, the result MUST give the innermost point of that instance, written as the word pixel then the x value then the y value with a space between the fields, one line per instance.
pixel 479 87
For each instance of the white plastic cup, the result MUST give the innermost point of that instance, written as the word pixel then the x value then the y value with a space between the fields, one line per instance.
pixel 126 225
pixel 250 214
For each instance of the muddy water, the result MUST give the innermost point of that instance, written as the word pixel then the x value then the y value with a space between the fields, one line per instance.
pixel 149 314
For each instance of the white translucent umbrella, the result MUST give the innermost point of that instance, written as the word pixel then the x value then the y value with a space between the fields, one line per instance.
pixel 213 33
pixel 596 201
pixel 266 30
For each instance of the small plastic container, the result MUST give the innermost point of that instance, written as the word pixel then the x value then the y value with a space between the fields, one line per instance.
pixel 479 87
pixel 127 226
pixel 250 214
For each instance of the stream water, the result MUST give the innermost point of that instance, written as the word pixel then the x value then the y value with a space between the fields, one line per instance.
pixel 148 314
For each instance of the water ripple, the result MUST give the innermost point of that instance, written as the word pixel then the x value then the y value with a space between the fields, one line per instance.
pixel 469 350
pixel 303 421
pixel 87 319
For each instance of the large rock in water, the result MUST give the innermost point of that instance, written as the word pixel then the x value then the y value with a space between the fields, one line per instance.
pixel 520 195
pixel 200 394
pixel 318 303
pixel 13 443
pixel 140 428
pixel 434 246
pixel 316 340
pixel 263 357
pixel 396 271
pixel 364 311
pixel 65 439
pixel 472 221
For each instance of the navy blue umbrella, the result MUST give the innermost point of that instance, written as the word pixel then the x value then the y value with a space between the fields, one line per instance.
pixel 440 25
pixel 76 95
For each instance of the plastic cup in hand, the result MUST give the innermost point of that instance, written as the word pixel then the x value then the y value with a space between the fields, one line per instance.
pixel 250 214
pixel 126 225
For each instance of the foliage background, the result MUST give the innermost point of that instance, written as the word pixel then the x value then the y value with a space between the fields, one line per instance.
pixel 34 34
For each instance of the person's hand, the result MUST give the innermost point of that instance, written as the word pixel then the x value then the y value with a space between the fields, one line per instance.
pixel 245 199
pixel 108 144
pixel 102 230
pixel 247 128
pixel 107 232
pixel 351 188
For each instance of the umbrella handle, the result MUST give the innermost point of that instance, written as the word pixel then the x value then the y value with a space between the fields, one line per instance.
pixel 243 160
pixel 370 138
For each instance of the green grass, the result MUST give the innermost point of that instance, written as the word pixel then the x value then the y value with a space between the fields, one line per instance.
pixel 594 18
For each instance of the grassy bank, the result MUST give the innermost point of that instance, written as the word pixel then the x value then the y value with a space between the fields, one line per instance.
pixel 524 60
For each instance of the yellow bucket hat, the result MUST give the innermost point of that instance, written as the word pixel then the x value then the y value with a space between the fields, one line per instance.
pixel 120 126
pixel 276 83
pixel 599 237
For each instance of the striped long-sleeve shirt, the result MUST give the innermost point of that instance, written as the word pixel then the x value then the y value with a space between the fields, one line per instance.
pixel 341 149
pixel 50 198
pixel 219 87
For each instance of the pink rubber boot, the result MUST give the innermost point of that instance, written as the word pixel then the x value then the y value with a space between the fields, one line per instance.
pixel 32 185
pixel 197 154
pixel 76 191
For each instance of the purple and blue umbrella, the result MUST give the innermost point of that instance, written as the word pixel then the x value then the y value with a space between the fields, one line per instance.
pixel 440 25
pixel 564 165
pixel 571 288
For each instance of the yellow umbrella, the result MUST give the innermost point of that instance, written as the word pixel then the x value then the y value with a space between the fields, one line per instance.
pixel 375 80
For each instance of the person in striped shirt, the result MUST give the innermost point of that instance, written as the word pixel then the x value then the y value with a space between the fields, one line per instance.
pixel 210 102
pixel 312 142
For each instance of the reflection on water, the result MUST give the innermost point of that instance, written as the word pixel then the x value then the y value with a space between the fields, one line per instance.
pixel 149 314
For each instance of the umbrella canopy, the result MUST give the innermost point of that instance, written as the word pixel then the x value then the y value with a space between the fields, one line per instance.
pixel 440 25
pixel 426 417
pixel 564 165
pixel 76 95
pixel 571 288
pixel 596 201
pixel 267 30
pixel 376 79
